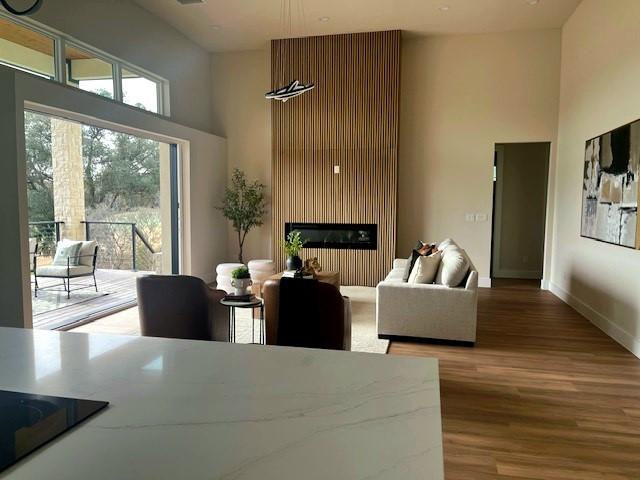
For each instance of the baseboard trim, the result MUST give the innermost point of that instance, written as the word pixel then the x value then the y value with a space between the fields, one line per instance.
pixel 605 324
pixel 435 341
pixel 484 282
pixel 525 274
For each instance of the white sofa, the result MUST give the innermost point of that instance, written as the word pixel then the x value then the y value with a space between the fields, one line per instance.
pixel 428 311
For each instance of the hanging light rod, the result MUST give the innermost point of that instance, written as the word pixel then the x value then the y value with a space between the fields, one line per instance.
pixel 25 11
pixel 294 89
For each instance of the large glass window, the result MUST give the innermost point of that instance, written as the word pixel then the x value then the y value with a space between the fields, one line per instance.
pixel 139 91
pixel 34 48
pixel 88 72
pixel 26 49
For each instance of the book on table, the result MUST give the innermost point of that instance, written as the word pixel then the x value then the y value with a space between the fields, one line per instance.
pixel 239 298
pixel 297 274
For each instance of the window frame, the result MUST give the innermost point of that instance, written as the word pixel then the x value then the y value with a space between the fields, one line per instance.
pixel 60 41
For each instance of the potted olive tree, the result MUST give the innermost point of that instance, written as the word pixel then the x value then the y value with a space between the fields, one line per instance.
pixel 244 205
pixel 292 246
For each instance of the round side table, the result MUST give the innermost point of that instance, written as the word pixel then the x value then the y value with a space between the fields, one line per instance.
pixel 252 304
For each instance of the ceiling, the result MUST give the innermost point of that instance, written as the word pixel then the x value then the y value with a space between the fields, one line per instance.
pixel 235 25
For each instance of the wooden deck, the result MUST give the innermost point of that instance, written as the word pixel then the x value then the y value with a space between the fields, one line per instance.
pixel 53 311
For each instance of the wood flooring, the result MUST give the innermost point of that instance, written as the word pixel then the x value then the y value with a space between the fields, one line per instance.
pixel 543 395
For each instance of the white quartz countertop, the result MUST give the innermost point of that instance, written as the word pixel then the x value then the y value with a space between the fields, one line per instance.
pixel 205 410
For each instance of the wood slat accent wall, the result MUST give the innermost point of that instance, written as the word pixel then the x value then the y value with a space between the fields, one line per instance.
pixel 350 119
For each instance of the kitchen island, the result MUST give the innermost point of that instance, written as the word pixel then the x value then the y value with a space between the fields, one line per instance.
pixel 182 409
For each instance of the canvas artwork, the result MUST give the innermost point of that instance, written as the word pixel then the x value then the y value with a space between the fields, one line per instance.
pixel 610 186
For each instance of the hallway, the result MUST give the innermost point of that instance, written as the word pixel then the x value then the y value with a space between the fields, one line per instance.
pixel 544 394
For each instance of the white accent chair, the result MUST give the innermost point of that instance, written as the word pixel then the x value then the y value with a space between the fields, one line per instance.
pixel 77 266
pixel 427 311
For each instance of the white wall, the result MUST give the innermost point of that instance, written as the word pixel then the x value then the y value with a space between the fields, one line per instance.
pixel 599 91
pixel 204 176
pixel 243 116
pixel 460 96
pixel 125 30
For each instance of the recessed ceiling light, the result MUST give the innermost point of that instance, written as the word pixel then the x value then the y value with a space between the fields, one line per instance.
pixel 323 19
pixel 533 2
pixel 444 8
pixel 215 27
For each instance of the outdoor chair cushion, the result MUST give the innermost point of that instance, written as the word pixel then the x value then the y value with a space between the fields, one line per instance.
pixel 67 249
pixel 86 253
pixel 61 271
pixel 33 246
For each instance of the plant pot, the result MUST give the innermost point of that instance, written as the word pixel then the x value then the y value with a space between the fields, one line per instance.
pixel 241 285
pixel 294 263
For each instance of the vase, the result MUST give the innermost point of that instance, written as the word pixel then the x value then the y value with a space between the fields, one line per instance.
pixel 294 263
pixel 241 285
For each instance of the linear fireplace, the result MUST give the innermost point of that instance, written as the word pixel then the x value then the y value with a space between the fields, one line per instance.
pixel 355 236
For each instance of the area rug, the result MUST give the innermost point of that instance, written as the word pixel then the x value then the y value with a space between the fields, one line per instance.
pixel 50 299
pixel 364 333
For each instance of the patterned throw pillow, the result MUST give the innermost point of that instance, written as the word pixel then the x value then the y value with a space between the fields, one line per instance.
pixel 67 250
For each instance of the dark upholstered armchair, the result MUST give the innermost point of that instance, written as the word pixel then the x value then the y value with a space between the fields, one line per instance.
pixel 306 313
pixel 180 306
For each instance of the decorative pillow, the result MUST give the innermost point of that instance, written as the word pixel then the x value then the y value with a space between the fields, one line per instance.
pixel 409 266
pixel 425 268
pixel 427 249
pixel 67 249
pixel 86 253
pixel 453 268
pixel 447 242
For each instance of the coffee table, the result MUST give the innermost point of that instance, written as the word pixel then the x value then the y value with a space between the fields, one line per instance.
pixel 330 277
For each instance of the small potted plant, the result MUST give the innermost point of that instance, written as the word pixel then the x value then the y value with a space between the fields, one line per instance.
pixel 241 280
pixel 292 246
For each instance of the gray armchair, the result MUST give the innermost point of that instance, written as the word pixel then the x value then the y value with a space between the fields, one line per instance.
pixel 180 306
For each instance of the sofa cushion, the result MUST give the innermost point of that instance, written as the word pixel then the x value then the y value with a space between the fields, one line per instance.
pixel 425 268
pixel 453 267
pixel 395 275
pixel 61 271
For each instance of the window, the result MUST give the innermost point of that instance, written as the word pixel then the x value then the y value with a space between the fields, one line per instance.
pixel 34 48
pixel 26 49
pixel 87 72
pixel 139 91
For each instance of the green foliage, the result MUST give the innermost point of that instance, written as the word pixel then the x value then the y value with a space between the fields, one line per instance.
pixel 121 172
pixel 244 205
pixel 293 244
pixel 122 184
pixel 39 170
pixel 240 272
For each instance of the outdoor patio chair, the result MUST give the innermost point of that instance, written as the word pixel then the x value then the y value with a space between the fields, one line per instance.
pixel 71 266
pixel 33 257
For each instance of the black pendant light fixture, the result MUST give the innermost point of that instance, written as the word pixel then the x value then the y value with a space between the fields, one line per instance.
pixel 294 87
pixel 33 7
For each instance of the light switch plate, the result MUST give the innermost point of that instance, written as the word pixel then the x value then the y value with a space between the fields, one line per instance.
pixel 481 217
pixel 470 217
pixel 336 169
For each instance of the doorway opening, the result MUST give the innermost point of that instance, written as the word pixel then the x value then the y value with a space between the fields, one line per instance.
pixel 521 172
pixel 103 209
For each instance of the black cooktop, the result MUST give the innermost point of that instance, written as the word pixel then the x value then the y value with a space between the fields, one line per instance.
pixel 29 421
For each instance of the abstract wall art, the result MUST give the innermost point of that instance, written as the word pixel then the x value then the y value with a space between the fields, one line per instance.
pixel 610 186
